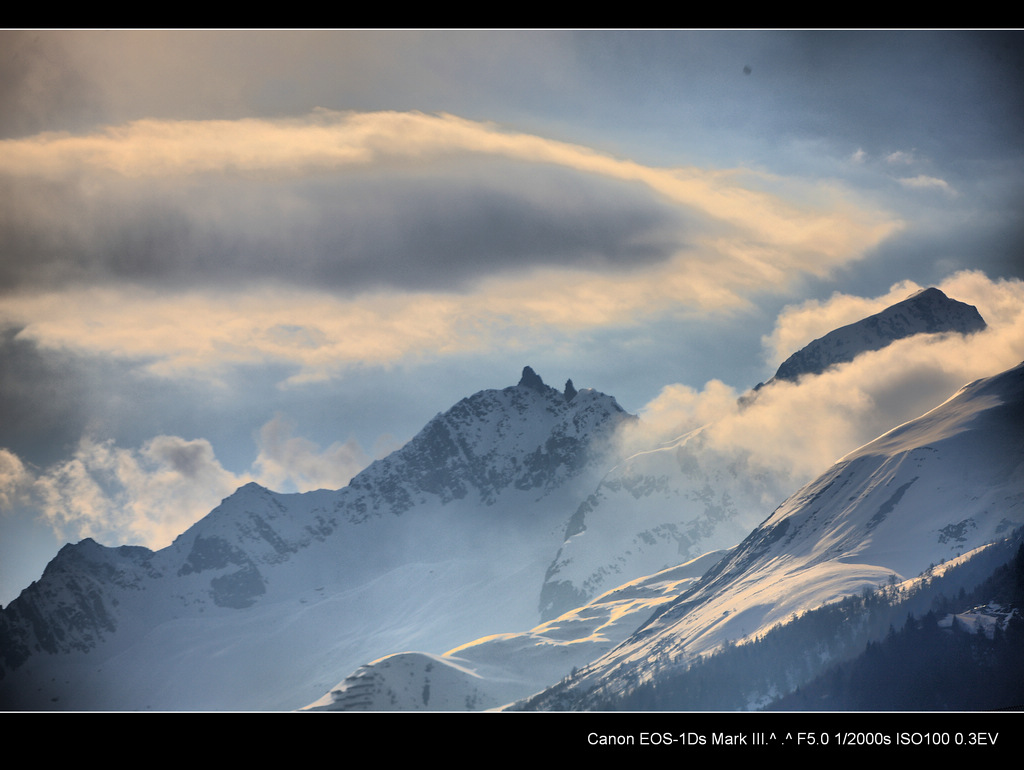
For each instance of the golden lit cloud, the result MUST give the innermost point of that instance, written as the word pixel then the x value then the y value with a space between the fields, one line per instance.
pixel 777 226
pixel 199 333
pixel 754 233
pixel 798 429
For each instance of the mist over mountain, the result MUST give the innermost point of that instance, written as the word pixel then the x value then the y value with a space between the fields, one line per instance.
pixel 907 516
pixel 646 514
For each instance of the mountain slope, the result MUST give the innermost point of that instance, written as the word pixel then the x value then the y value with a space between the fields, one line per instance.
pixel 261 602
pixel 674 502
pixel 497 669
pixel 930 490
pixel 653 510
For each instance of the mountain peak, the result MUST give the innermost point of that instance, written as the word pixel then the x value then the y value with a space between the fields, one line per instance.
pixel 570 391
pixel 928 311
pixel 931 293
pixel 531 380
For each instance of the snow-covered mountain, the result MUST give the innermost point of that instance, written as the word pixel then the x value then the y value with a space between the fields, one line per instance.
pixel 931 490
pixel 928 311
pixel 671 503
pixel 264 600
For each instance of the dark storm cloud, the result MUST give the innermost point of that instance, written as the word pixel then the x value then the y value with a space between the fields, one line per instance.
pixel 420 233
pixel 50 398
pixel 347 232
pixel 43 400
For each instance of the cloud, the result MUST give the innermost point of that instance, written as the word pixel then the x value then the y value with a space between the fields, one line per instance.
pixel 339 239
pixel 146 496
pixel 901 157
pixel 287 462
pixel 15 480
pixel 319 335
pixel 150 494
pixel 923 182
pixel 350 197
pixel 796 430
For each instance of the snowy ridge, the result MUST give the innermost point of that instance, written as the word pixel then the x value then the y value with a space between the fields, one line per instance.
pixel 931 490
pixel 528 436
pixel 654 510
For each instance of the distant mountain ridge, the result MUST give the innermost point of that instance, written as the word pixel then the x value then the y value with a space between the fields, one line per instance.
pixel 937 490
pixel 659 508
pixel 928 311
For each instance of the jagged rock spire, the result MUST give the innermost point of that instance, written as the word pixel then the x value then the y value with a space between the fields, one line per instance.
pixel 531 380
pixel 570 391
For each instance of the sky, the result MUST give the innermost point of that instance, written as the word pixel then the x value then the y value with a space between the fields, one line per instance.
pixel 273 256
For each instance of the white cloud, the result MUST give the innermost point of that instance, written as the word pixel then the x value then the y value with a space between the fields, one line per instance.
pixel 150 494
pixel 15 480
pixel 900 157
pixel 291 463
pixel 923 182
pixel 143 496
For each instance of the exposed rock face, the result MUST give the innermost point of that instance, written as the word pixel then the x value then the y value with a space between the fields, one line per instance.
pixel 531 380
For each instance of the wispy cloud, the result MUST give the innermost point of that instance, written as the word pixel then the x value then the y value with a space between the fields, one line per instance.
pixel 900 157
pixel 15 481
pixel 145 496
pixel 924 182
pixel 691 241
